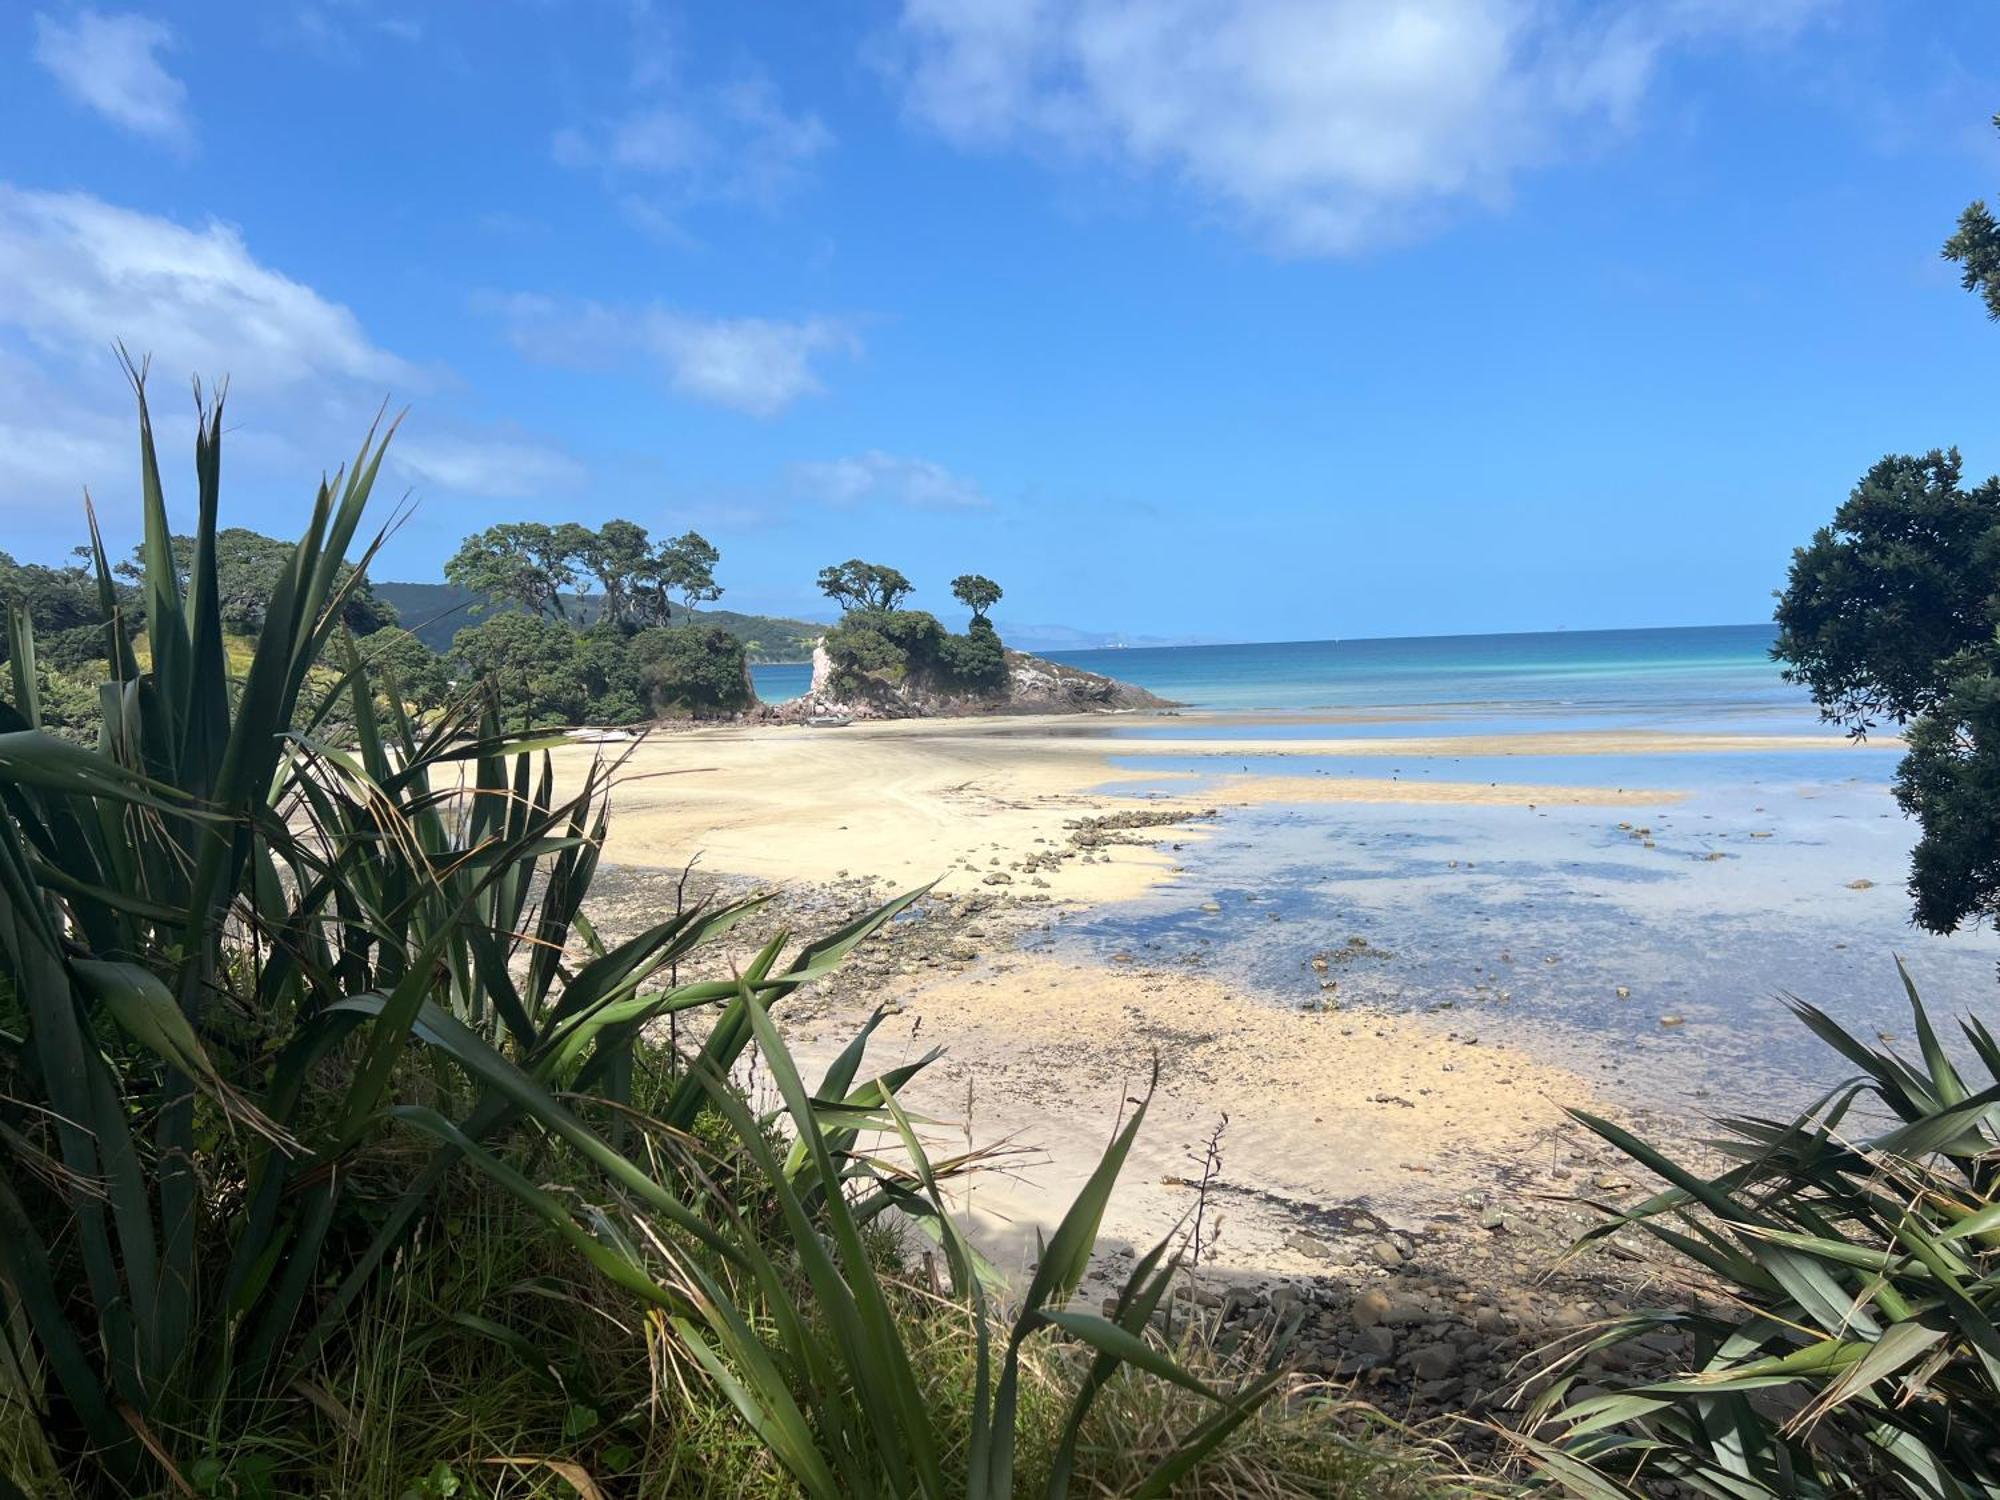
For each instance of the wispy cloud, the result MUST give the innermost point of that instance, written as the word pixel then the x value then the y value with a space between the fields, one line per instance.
pixel 895 479
pixel 754 365
pixel 111 63
pixel 664 143
pixel 78 273
pixel 493 468
pixel 1324 125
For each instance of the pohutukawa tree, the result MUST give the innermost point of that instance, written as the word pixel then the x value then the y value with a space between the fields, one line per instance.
pixel 523 563
pixel 976 592
pixel 1891 613
pixel 855 584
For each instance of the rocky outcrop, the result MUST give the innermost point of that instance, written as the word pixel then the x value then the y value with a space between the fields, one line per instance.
pixel 1034 686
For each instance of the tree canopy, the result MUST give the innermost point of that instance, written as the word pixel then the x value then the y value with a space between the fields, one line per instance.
pixel 855 584
pixel 1976 248
pixel 976 592
pixel 533 567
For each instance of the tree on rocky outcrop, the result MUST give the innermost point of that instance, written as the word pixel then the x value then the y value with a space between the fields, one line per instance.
pixel 1891 612
pixel 858 585
pixel 976 592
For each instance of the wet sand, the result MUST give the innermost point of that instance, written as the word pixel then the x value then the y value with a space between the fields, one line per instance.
pixel 961 799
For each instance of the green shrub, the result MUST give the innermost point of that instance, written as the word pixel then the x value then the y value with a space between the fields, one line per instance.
pixel 530 662
pixel 696 669
pixel 890 647
pixel 975 662
pixel 1849 1346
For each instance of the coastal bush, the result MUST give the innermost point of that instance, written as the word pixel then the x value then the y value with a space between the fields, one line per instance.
pixel 975 661
pixel 692 669
pixel 1844 1303
pixel 529 663
pixel 878 648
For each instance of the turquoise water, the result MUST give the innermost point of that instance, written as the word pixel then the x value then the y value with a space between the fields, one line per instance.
pixel 1641 675
pixel 1706 669
pixel 777 682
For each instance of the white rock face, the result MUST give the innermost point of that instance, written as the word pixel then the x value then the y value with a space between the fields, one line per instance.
pixel 822 670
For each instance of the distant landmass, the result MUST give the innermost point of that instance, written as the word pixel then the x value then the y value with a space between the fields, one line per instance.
pixel 435 612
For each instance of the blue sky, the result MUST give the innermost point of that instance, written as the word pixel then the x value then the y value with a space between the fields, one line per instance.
pixel 1273 319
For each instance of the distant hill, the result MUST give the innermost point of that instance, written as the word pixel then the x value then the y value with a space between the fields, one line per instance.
pixel 435 612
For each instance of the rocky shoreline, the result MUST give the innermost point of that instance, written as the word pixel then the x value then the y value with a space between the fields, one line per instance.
pixel 1034 686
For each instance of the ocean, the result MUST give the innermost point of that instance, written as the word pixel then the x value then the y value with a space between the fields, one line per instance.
pixel 1655 675
pixel 1704 669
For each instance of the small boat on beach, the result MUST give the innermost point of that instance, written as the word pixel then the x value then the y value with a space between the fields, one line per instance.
pixel 828 721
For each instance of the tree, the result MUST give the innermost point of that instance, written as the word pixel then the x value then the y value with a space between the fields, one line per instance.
pixel 686 566
pixel 523 563
pixel 976 592
pixel 1976 247
pixel 1894 611
pixel 62 606
pixel 248 565
pixel 619 555
pixel 531 662
pixel 855 584
pixel 418 673
pixel 693 668
pixel 1882 601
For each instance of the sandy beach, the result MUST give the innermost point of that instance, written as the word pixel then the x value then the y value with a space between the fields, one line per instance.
pixel 960 800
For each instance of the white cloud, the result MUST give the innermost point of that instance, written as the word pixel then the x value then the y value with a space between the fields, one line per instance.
pixel 755 365
pixel 918 483
pixel 490 468
pixel 683 139
pixel 1326 125
pixel 78 274
pixel 111 63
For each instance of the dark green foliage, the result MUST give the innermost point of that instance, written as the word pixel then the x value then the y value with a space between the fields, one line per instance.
pixel 63 606
pixel 1976 248
pixel 436 612
pixel 530 662
pixel 396 658
pixel 248 568
pixel 524 563
pixel 568 659
pixel 685 565
pixel 975 661
pixel 1884 600
pixel 976 592
pixel 873 649
pixel 1853 1350
pixel 857 585
pixel 1950 783
pixel 692 668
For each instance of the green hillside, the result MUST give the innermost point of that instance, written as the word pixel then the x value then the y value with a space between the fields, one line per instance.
pixel 435 612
